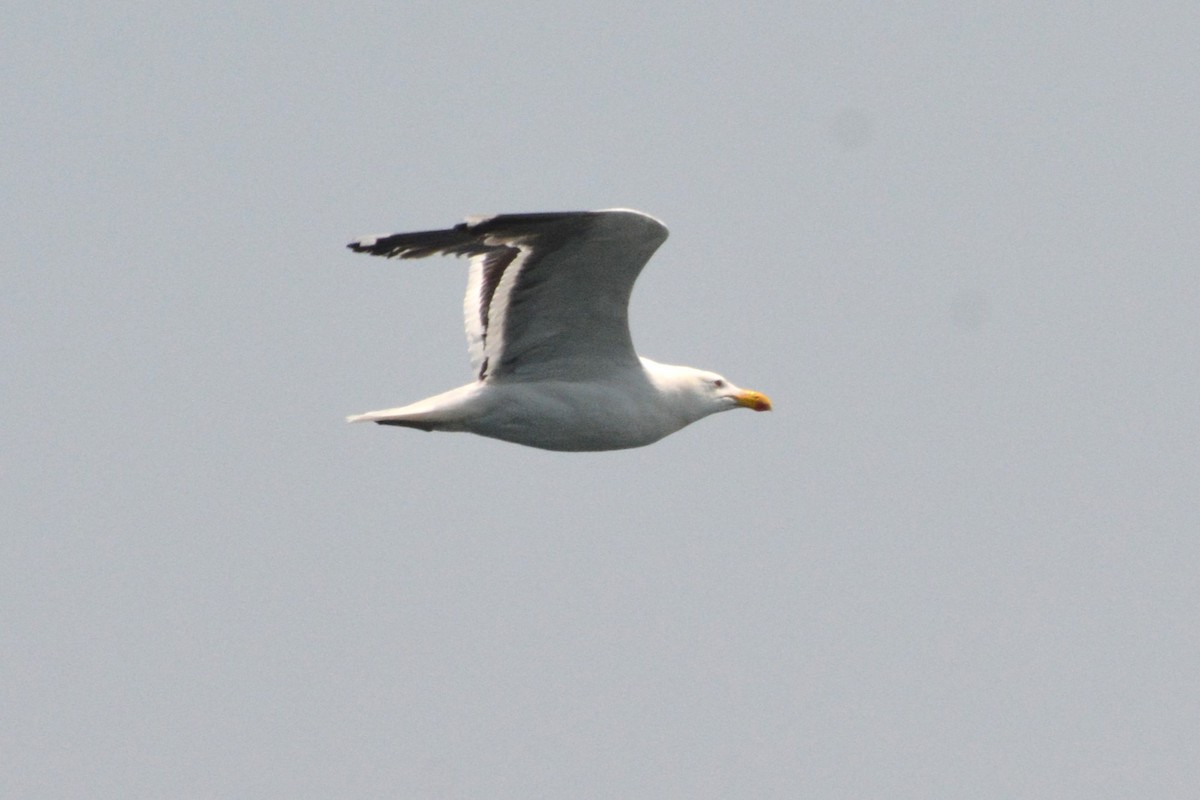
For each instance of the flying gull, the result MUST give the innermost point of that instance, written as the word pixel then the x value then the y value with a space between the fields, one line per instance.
pixel 548 335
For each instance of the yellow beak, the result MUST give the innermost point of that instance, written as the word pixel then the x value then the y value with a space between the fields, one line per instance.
pixel 756 400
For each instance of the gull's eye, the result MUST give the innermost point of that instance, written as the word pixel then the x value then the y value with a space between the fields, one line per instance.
pixel 720 384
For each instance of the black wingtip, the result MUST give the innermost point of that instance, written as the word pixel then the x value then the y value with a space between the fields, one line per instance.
pixel 400 423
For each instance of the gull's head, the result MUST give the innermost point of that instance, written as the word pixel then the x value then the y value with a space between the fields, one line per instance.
pixel 722 394
pixel 701 392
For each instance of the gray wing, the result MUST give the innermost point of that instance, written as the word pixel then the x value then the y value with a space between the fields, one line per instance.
pixel 548 294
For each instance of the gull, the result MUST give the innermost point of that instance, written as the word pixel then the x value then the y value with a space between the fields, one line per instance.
pixel 548 335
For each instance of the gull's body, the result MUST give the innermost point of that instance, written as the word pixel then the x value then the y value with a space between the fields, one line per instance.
pixel 548 334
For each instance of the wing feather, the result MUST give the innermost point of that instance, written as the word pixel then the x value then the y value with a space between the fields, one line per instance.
pixel 548 293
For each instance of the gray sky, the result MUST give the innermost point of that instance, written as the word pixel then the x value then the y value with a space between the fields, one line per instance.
pixel 957 249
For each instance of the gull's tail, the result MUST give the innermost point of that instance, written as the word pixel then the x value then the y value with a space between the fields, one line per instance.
pixel 444 412
pixel 396 416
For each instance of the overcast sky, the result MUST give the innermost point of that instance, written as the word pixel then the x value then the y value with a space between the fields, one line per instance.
pixel 957 248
